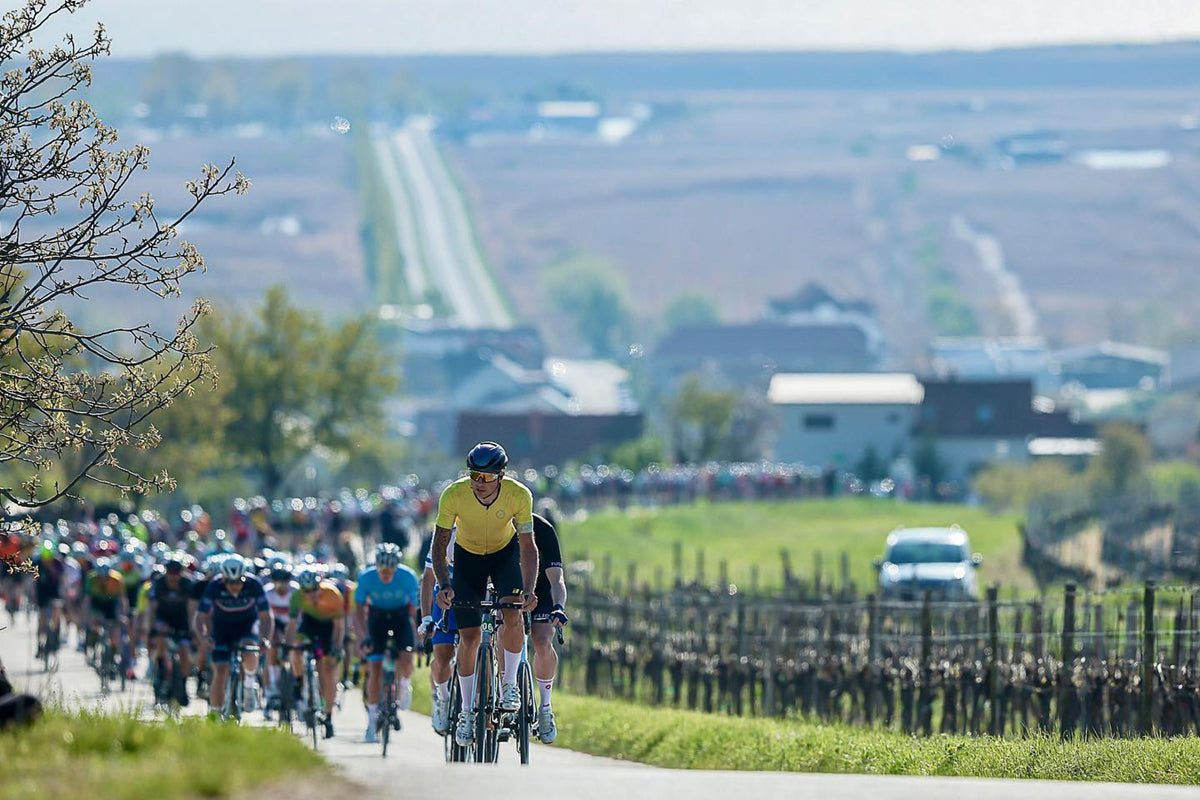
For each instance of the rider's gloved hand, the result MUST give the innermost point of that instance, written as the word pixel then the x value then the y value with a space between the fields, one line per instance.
pixel 558 616
pixel 425 627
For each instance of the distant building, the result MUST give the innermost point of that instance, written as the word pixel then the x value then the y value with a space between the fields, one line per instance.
pixel 748 355
pixel 1111 365
pixel 1184 369
pixel 836 419
pixel 977 357
pixel 813 304
pixel 974 423
pixel 536 439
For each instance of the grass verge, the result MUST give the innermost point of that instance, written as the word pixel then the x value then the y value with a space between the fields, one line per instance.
pixel 753 533
pixel 118 757
pixel 693 740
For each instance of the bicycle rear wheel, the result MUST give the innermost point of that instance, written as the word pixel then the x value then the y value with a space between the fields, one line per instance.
pixel 525 713
pixel 454 752
pixel 287 703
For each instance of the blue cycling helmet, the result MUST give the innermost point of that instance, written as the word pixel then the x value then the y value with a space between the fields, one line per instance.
pixel 487 457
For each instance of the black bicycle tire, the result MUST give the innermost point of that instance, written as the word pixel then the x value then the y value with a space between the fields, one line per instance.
pixel 525 713
pixel 389 699
pixel 453 753
pixel 310 674
pixel 286 689
pixel 483 702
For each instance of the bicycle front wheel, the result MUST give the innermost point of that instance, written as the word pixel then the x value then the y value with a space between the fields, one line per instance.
pixel 484 702
pixel 525 714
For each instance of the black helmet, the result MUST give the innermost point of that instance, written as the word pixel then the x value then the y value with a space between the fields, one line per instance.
pixel 487 457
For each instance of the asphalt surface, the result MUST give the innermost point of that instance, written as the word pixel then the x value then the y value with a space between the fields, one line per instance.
pixel 434 228
pixel 415 766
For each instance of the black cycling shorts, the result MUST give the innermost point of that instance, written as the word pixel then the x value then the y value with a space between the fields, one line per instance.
pixel 470 579
pixel 319 632
pixel 394 625
pixel 175 630
pixel 105 608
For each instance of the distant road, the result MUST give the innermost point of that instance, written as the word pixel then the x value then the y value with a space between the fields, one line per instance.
pixel 1013 298
pixel 415 764
pixel 434 228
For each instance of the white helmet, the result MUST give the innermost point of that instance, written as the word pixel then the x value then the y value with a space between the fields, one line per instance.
pixel 387 556
pixel 309 579
pixel 233 567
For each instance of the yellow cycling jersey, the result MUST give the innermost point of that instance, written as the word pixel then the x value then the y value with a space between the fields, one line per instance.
pixel 486 529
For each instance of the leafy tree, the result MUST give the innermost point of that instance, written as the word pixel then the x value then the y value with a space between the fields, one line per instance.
pixel 702 419
pixel 1121 464
pixel 298 388
pixel 596 297
pixel 75 394
pixel 690 308
pixel 637 454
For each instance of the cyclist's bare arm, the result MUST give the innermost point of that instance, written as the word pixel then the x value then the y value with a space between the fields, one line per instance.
pixel 558 585
pixel 529 566
pixel 427 581
pixel 441 564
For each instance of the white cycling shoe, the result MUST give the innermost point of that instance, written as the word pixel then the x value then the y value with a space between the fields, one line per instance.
pixel 547 731
pixel 465 732
pixel 441 716
pixel 510 697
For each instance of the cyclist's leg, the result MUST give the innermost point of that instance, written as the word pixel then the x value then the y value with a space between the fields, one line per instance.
pixel 506 577
pixel 545 662
pixel 219 655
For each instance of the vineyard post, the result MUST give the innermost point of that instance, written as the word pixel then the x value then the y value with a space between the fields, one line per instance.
pixel 993 618
pixel 1148 656
pixel 1068 649
pixel 872 628
pixel 926 633
pixel 677 559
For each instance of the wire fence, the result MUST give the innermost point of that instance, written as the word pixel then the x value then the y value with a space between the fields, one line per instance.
pixel 1121 663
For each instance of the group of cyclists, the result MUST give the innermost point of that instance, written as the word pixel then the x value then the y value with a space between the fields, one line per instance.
pixel 126 595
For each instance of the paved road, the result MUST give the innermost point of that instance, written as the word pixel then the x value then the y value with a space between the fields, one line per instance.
pixel 416 768
pixel 435 229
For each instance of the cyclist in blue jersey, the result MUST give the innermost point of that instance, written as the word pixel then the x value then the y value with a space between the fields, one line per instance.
pixel 443 641
pixel 234 609
pixel 386 599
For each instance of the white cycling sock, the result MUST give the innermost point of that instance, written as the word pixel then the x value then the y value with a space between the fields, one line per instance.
pixel 467 684
pixel 372 713
pixel 510 667
pixel 544 689
pixel 273 677
pixel 442 690
pixel 404 683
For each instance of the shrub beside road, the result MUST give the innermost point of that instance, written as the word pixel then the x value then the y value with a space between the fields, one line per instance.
pixel 118 757
pixel 754 532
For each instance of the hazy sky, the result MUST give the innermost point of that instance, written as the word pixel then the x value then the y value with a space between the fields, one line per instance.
pixel 274 27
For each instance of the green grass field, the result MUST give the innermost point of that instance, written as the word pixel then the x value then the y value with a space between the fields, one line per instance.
pixel 118 757
pixel 693 740
pixel 754 533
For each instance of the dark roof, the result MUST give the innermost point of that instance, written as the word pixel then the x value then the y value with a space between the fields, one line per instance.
pixel 1061 425
pixel 811 296
pixel 537 438
pixel 1001 408
pixel 1185 367
pixel 775 341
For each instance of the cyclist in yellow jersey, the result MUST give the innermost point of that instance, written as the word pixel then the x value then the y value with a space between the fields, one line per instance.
pixel 494 519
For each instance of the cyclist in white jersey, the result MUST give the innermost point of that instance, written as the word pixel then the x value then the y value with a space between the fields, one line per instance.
pixel 279 597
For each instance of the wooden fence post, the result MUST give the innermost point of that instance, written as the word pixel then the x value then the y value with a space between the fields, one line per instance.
pixel 872 628
pixel 1068 656
pixel 993 622
pixel 677 559
pixel 1148 656
pixel 926 632
pixel 700 567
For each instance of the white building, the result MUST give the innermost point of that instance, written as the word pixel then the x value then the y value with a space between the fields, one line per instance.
pixel 834 419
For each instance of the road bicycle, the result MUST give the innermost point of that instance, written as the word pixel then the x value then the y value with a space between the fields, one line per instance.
pixel 312 691
pixel 170 683
pixel 108 667
pixel 48 644
pixel 455 753
pixel 389 715
pixel 235 701
pixel 492 724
